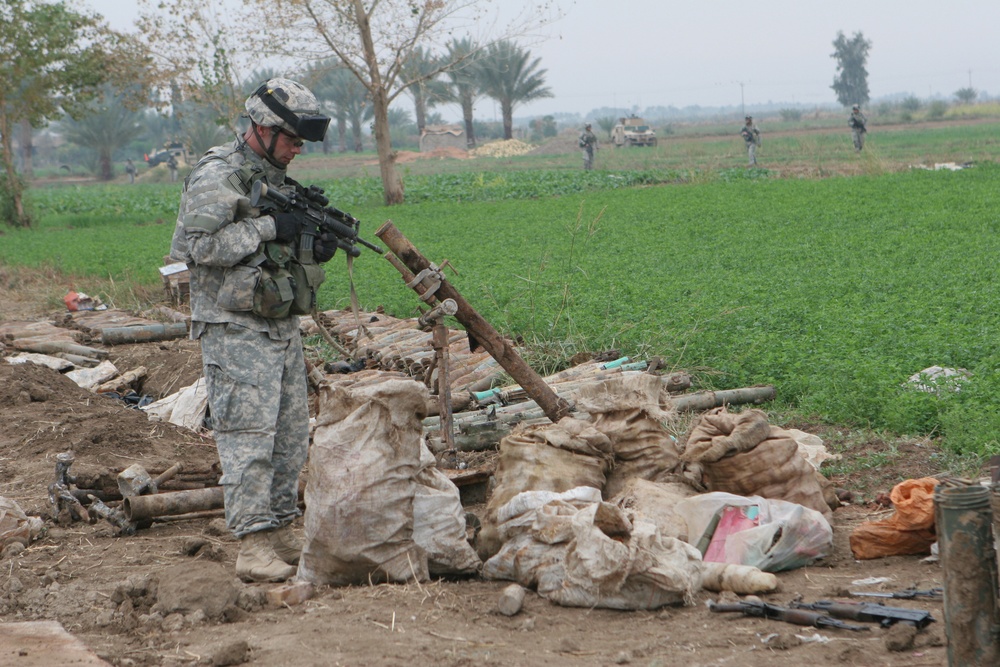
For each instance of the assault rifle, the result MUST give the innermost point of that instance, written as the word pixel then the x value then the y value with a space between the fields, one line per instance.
pixel 905 594
pixel 870 612
pixel 317 217
pixel 797 616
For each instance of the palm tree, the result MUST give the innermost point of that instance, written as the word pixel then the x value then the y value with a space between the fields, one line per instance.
pixel 507 74
pixel 110 126
pixel 419 68
pixel 461 88
pixel 348 97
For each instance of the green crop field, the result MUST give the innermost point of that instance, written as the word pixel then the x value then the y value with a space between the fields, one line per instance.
pixel 835 290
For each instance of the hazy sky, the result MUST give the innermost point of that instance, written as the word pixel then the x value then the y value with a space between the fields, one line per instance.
pixel 711 52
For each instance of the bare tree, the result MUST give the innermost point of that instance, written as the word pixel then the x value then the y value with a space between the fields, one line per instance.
pixel 374 40
pixel 201 51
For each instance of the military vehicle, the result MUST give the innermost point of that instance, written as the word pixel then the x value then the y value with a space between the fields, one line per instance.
pixel 174 148
pixel 633 131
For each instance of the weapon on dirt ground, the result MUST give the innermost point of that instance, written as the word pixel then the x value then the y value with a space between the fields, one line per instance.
pixel 317 217
pixel 871 613
pixel 905 594
pixel 797 616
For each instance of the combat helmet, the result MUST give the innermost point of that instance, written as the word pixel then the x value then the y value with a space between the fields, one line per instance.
pixel 290 106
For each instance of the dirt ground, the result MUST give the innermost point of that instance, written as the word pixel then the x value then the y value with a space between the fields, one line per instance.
pixel 167 595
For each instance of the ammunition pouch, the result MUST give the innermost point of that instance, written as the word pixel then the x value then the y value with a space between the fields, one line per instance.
pixel 272 284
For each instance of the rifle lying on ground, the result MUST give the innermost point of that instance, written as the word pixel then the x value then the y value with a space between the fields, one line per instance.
pixel 905 594
pixel 317 217
pixel 870 612
pixel 797 616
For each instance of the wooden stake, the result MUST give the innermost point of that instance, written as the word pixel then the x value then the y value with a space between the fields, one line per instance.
pixel 555 408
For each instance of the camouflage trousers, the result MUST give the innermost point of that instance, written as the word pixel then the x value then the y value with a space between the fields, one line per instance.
pixel 260 416
pixel 859 138
pixel 588 158
pixel 752 153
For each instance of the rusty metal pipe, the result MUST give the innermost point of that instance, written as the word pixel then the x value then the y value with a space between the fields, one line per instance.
pixel 140 508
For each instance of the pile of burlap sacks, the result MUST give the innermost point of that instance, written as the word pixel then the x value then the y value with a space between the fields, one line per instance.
pixel 591 511
pixel 583 511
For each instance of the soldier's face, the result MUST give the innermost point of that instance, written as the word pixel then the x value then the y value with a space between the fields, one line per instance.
pixel 286 148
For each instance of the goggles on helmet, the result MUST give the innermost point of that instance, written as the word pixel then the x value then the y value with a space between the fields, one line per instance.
pixel 311 127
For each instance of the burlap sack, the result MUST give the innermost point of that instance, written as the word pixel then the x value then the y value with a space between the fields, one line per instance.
pixel 772 469
pixel 743 454
pixel 630 410
pixel 720 432
pixel 549 457
pixel 655 502
pixel 363 462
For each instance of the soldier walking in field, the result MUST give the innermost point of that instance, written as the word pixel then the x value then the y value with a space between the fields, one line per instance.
pixel 588 143
pixel 751 135
pixel 130 170
pixel 858 124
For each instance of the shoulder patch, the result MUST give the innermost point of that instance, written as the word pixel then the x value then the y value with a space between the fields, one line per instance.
pixel 238 183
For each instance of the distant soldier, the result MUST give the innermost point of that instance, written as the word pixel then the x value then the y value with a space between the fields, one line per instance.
pixel 172 166
pixel 130 170
pixel 858 124
pixel 751 135
pixel 588 143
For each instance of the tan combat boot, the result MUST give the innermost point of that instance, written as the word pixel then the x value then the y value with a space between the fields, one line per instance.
pixel 285 544
pixel 258 562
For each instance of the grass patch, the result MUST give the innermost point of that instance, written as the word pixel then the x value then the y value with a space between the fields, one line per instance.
pixel 833 290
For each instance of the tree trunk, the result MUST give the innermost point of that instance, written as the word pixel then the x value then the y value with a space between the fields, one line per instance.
pixel 342 134
pixel 27 149
pixel 420 108
pixel 13 182
pixel 356 133
pixel 470 133
pixel 392 186
pixel 105 171
pixel 507 109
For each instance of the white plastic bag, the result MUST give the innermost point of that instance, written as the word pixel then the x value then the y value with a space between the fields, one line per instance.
pixel 787 535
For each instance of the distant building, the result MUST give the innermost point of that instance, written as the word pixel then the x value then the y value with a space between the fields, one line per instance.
pixel 442 136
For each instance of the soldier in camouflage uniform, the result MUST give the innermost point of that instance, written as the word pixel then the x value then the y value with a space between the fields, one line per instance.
pixel 858 123
pixel 251 350
pixel 588 143
pixel 751 135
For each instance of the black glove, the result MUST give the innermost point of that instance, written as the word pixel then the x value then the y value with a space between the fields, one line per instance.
pixel 324 247
pixel 287 227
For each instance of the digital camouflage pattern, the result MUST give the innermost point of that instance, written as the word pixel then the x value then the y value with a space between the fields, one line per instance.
pixel 254 366
pixel 295 97
pixel 858 123
pixel 588 142
pixel 751 135
pixel 260 416
pixel 217 229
